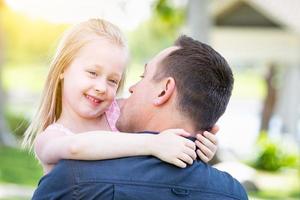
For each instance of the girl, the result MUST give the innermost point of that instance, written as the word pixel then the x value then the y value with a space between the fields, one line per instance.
pixel 79 100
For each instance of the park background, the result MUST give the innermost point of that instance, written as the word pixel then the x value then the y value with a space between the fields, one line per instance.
pixel 260 131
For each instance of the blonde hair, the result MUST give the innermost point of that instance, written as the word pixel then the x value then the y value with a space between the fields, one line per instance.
pixel 73 40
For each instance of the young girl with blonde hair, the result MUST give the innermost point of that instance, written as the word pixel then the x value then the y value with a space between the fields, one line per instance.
pixel 78 109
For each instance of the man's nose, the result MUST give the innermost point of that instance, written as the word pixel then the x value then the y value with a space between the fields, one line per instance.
pixel 131 89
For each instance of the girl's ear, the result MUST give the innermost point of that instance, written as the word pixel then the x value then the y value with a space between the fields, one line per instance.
pixel 165 94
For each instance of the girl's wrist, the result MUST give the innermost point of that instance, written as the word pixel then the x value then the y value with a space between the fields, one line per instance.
pixel 149 144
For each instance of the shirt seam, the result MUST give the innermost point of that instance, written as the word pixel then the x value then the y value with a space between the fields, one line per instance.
pixel 139 183
pixel 75 191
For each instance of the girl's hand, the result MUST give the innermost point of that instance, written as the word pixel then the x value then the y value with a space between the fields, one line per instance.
pixel 171 147
pixel 207 144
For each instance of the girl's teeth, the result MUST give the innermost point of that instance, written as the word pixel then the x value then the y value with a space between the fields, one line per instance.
pixel 93 99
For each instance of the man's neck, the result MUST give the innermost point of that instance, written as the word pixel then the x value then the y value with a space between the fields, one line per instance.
pixel 163 121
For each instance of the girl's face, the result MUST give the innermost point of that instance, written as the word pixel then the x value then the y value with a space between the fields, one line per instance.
pixel 91 80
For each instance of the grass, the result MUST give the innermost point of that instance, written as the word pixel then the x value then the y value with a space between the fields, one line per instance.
pixel 18 167
pixel 277 186
pixel 270 195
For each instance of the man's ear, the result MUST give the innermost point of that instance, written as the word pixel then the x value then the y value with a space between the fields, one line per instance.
pixel 166 92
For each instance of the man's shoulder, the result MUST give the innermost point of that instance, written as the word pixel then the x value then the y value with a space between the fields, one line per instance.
pixel 50 185
pixel 224 183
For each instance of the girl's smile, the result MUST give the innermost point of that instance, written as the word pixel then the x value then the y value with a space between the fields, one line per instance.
pixel 93 100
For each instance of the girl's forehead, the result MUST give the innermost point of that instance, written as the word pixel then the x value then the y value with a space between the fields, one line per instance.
pixel 102 46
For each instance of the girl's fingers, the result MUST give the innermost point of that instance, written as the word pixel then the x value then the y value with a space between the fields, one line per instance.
pixel 186 158
pixel 190 144
pixel 211 137
pixel 191 152
pixel 208 143
pixel 202 156
pixel 180 163
pixel 207 152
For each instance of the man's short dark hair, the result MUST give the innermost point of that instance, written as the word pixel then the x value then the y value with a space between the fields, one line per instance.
pixel 203 78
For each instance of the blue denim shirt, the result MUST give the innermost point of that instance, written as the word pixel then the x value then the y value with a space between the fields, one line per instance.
pixel 137 178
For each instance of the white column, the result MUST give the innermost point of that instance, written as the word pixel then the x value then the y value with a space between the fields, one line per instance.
pixel 198 20
pixel 288 106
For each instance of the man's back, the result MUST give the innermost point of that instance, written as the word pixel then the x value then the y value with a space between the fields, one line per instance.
pixel 137 178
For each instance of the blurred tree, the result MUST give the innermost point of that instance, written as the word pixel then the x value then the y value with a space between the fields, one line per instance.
pixel 159 31
pixel 6 138
pixel 167 22
pixel 270 99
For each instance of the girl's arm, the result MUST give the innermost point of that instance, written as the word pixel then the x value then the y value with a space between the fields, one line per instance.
pixel 169 146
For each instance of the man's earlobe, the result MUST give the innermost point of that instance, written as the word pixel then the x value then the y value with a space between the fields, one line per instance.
pixel 156 102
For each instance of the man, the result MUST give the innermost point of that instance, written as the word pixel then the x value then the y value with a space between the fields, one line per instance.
pixel 185 86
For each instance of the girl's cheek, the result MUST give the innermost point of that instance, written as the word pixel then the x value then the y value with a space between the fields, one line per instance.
pixel 114 93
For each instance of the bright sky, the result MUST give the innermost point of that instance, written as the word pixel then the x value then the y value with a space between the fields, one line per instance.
pixel 126 14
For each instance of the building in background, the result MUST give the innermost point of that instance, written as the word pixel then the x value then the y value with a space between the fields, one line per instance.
pixel 262 35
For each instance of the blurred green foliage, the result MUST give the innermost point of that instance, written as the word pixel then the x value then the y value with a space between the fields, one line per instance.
pixel 17 123
pixel 158 32
pixel 272 156
pixel 19 167
pixel 27 40
pixel 29 78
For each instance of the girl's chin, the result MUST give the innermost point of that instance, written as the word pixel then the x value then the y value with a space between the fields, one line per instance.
pixel 92 114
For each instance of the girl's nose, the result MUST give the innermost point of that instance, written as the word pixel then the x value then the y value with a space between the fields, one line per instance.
pixel 100 87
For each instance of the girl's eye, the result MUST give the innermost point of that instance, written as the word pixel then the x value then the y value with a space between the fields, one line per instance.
pixel 142 76
pixel 92 73
pixel 114 81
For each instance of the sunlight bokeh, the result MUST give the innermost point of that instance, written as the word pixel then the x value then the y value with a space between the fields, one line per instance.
pixel 126 14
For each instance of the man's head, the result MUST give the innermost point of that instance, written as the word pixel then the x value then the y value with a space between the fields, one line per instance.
pixel 186 84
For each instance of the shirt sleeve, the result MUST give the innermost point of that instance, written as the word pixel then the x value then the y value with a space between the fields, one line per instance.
pixel 112 114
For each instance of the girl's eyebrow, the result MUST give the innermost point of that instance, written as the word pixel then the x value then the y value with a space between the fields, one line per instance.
pixel 116 75
pixel 97 66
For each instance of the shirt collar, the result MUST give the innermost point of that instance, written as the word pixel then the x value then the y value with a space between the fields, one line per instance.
pixel 153 132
